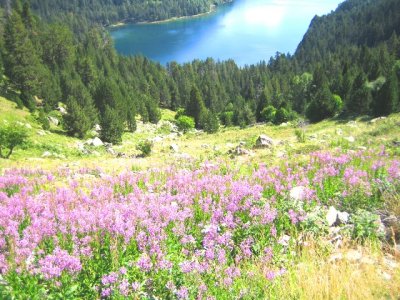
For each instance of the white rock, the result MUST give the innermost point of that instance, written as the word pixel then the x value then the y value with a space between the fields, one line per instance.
pixel 343 217
pixel 27 125
pixel 353 255
pixel 54 121
pixel 41 133
pixel 298 193
pixel 174 148
pixel 350 139
pixel 97 127
pixel 332 216
pixel 62 110
pixel 46 154
pixel 335 257
pixel 97 142
pixel 157 139
pixel 284 240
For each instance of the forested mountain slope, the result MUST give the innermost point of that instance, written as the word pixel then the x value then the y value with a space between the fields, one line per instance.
pixel 111 11
pixel 358 74
pixel 354 23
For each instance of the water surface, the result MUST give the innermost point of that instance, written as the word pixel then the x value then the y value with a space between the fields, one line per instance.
pixel 247 31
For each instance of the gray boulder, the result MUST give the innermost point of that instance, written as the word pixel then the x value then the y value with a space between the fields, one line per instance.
pixel 264 141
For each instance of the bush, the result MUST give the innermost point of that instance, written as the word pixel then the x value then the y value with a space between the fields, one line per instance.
pixel 281 116
pixel 268 114
pixel 180 112
pixel 185 123
pixel 301 135
pixel 11 136
pixel 145 147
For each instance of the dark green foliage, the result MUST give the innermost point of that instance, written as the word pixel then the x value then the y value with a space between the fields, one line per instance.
pixel 11 136
pixel 28 101
pixel 196 107
pixel 323 105
pixel 145 147
pixel 268 114
pixel 106 12
pixel 387 99
pixel 153 111
pixel 43 120
pixel 210 122
pixel 360 96
pixel 281 115
pixel 112 125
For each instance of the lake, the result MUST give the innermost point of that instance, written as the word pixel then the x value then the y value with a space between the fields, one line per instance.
pixel 247 31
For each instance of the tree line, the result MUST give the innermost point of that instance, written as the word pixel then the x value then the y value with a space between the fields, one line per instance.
pixel 359 74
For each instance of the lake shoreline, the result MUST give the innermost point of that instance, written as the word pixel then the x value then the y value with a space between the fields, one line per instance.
pixel 213 8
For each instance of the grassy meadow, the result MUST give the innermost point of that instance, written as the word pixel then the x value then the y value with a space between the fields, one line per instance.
pixel 195 221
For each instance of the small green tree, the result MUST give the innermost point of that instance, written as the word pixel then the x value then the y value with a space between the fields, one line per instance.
pixel 185 123
pixel 145 147
pixel 281 116
pixel 268 114
pixel 112 126
pixel 11 136
pixel 210 122
pixel 42 118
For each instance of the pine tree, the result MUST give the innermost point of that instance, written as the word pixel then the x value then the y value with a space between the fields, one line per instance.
pixel 112 125
pixel 386 100
pixel 360 97
pixel 22 64
pixel 196 107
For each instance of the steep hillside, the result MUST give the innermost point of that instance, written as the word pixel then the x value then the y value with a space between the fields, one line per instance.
pixel 354 23
pixel 110 11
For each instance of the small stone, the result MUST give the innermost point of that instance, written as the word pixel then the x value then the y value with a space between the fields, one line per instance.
pixel 157 139
pixel 335 257
pixel 391 264
pixel 350 139
pixel 264 141
pixel 27 125
pixel 62 110
pixel 41 133
pixel 373 121
pixel 343 217
pixel 54 121
pixel 46 154
pixel 174 148
pixel 353 255
pixel 386 276
pixel 284 240
pixel 367 261
pixel 298 193
pixel 97 127
pixel 97 142
pixel 332 216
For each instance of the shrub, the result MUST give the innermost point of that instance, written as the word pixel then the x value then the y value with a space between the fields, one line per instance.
pixel 268 114
pixel 180 112
pixel 11 136
pixel 185 123
pixel 281 116
pixel 301 135
pixel 144 147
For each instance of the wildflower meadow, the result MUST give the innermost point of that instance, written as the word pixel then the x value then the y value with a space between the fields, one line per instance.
pixel 195 230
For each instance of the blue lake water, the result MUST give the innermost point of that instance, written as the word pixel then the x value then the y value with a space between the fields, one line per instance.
pixel 247 31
